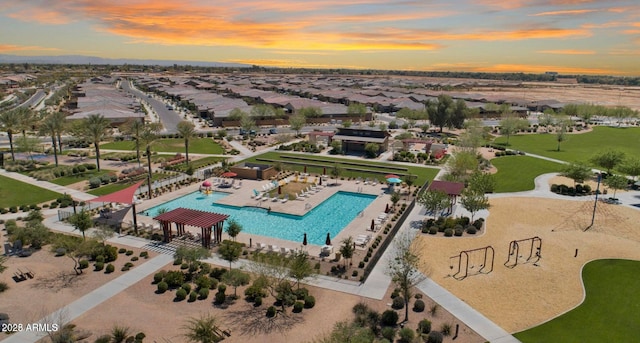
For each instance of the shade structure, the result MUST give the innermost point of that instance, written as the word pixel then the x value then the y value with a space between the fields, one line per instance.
pixel 229 174
pixel 206 183
pixel 304 240
pixel 208 222
pixel 394 180
pixel 391 176
pixel 328 240
pixel 124 196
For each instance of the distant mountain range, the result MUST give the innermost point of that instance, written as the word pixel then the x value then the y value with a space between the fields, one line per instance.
pixel 79 59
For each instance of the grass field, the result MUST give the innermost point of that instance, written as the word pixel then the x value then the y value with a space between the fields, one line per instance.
pixel 71 179
pixel 578 147
pixel 16 193
pixel 196 146
pixel 609 313
pixel 423 173
pixel 517 173
pixel 114 187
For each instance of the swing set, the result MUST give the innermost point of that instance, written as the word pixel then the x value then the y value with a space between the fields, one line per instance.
pixel 535 246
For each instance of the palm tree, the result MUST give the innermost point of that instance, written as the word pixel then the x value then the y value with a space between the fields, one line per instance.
pixel 49 127
pixel 187 130
pixel 95 128
pixel 202 330
pixel 59 122
pixel 11 123
pixel 134 127
pixel 26 119
pixel 148 136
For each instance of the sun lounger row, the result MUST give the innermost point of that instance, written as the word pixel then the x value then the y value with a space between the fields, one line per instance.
pixel 362 240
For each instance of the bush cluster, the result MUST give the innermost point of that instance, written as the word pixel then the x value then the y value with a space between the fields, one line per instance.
pixel 578 190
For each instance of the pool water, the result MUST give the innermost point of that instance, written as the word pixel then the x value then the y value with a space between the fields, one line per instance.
pixel 332 215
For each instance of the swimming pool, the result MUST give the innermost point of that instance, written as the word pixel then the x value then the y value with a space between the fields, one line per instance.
pixel 331 216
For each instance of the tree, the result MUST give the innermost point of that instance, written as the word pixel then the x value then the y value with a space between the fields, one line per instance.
pixel 191 255
pixel 460 165
pixel 511 124
pixel 371 150
pixel 52 126
pixel 300 267
pixel 474 201
pixel 310 112
pixel 335 172
pixel 3 259
pixel 561 136
pixel 148 136
pixel 187 130
pixel 440 112
pixel 247 123
pixel 95 129
pixel 27 144
pixel 236 278
pixel 262 111
pixel 404 268
pixel 233 229
pixel 395 197
pixel 347 123
pixel 434 201
pixel 74 248
pixel 616 182
pixel 81 221
pixel 458 114
pixel 608 159
pixel 297 122
pixel 482 182
pixel 576 171
pixel 545 120
pixel 273 272
pixel 347 249
pixel 382 127
pixel 229 251
pixel 10 121
pixel 134 128
pixel 203 329
pixel 631 167
pixel 357 110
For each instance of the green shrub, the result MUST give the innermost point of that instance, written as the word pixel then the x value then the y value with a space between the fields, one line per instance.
pixel 389 333
pixel 448 232
pixel 203 281
pixel 298 306
pixel 3 286
pixel 458 232
pixel 271 312
pixel 129 252
pixel 418 306
pixel 222 288
pixel 174 278
pixel 162 287
pixel 445 329
pixel 134 258
pixel 435 337
pixel 389 318
pixel 100 258
pixel 309 301
pixel 94 182
pixel 186 287
pixel 220 298
pixel 257 301
pixel 184 266
pixel 144 254
pixel 301 293
pixel 83 264
pixel 361 264
pixel 157 277
pixel 397 303
pixel 471 230
pixel 98 266
pixel 203 293
pixel 406 335
pixel 424 326
pixel 193 296
pixel 110 268
pixel 122 251
pixel 177 261
pixel 181 294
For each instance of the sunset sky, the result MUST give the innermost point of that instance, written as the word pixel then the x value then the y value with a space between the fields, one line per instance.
pixel 531 36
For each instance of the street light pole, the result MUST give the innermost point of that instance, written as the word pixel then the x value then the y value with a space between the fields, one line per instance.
pixel 595 203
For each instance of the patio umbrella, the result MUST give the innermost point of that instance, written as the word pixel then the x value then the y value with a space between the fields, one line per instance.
pixel 305 169
pixel 206 183
pixel 320 182
pixel 304 240
pixel 229 174
pixel 394 180
pixel 279 189
pixel 373 225
pixel 386 208
pixel 324 170
pixel 391 176
pixel 328 240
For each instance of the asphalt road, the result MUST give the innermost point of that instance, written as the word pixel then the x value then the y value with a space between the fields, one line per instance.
pixel 35 99
pixel 169 118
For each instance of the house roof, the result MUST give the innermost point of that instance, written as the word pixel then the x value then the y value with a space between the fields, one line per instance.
pixel 359 138
pixel 190 217
pixel 451 188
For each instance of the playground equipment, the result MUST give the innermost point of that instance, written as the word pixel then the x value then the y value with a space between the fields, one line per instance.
pixel 488 254
pixel 205 188
pixel 514 251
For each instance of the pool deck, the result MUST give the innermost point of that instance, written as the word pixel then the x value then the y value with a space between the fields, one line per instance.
pixel 242 196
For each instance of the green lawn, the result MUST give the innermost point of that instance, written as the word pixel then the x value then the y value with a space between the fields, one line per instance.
pixel 578 147
pixel 114 187
pixel 16 193
pixel 71 179
pixel 196 146
pixel 517 173
pixel 424 173
pixel 609 313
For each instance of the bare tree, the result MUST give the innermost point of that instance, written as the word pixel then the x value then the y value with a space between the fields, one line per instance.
pixel 404 267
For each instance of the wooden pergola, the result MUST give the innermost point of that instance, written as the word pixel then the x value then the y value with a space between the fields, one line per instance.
pixel 452 189
pixel 208 222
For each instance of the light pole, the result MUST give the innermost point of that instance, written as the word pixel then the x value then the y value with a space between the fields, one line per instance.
pixel 595 203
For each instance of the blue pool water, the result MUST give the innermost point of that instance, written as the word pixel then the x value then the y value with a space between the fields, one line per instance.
pixel 331 216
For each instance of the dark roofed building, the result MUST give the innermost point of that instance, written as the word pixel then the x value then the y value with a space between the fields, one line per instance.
pixel 355 139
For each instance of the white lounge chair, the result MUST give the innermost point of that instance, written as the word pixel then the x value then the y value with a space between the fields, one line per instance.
pixel 284 199
pixel 284 251
pixel 299 197
pixel 260 246
pixel 272 248
pixel 274 199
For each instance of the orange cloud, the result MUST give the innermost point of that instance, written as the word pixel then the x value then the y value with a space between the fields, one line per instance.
pixel 565 12
pixel 527 68
pixel 567 52
pixel 11 48
pixel 286 63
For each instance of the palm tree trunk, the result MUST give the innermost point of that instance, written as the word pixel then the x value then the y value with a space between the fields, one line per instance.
pixel 186 148
pixel 138 151
pixel 149 174
pixel 59 143
pixel 55 152
pixel 97 146
pixel 10 135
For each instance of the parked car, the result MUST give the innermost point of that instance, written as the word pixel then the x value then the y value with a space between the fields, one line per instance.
pixel 273 131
